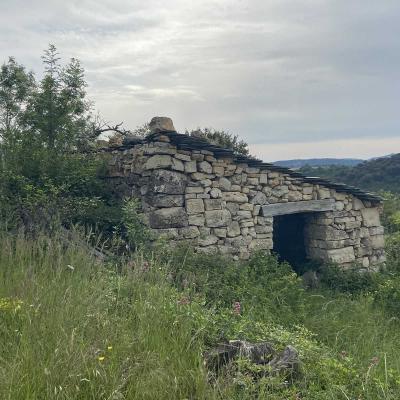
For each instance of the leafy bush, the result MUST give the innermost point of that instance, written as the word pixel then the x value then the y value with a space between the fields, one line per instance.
pixel 350 280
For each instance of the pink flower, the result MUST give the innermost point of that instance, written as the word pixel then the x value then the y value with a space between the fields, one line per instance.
pixel 374 361
pixel 184 301
pixel 236 308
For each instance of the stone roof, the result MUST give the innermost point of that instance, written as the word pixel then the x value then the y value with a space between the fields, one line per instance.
pixel 186 142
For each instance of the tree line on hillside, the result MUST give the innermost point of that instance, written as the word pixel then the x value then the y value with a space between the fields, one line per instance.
pixel 381 174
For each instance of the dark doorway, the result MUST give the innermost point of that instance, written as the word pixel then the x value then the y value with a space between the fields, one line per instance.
pixel 289 239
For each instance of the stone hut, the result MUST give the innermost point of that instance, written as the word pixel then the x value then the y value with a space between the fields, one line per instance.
pixel 222 202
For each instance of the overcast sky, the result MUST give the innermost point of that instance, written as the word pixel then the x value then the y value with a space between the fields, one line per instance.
pixel 294 78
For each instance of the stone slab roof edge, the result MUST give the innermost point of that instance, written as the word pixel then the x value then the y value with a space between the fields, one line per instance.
pixel 186 142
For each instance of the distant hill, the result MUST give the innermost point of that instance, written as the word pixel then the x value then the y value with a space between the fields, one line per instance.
pixel 318 162
pixel 373 175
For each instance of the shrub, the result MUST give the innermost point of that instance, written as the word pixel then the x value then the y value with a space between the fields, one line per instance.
pixel 350 280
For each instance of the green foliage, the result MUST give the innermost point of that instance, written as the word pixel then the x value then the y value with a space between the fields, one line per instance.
pixel 46 176
pixel 137 233
pixel 261 284
pixel 388 296
pixel 374 175
pixel 223 139
pixel 349 280
pixel 74 327
pixel 391 214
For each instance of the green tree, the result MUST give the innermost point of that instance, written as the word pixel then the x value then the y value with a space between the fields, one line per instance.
pixel 222 138
pixel 16 87
pixel 44 127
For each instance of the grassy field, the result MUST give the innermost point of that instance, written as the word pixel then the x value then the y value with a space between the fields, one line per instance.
pixel 73 327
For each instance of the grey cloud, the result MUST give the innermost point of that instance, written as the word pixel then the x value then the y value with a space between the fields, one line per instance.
pixel 273 71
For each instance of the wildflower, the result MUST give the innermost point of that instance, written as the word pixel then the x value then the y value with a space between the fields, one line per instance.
pixel 374 361
pixel 145 266
pixel 101 358
pixel 236 308
pixel 184 301
pixel 10 304
pixel 109 348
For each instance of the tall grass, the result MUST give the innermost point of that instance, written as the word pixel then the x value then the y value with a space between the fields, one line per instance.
pixel 71 328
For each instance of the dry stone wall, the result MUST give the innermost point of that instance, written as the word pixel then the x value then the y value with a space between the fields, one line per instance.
pixel 217 203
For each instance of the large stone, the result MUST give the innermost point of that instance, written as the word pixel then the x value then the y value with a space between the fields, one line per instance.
pixel 325 232
pixel 225 184
pixel 208 241
pixel 215 193
pixel 235 197
pixel 233 229
pixel 213 204
pixel 190 166
pixel 261 244
pixel 158 161
pixel 370 217
pixel 377 242
pixel 165 200
pixel 174 217
pixel 167 182
pixel 161 124
pixel 205 167
pixel 217 218
pixel 260 199
pixel 194 206
pixel 196 219
pixel 297 207
pixel 189 232
pixel 341 256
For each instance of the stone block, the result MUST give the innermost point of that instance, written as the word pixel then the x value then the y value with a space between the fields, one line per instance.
pixel 158 161
pixel 174 217
pixel 295 196
pixel 167 234
pixel 263 229
pixel 235 197
pixel 161 124
pixel 224 184
pixel 377 242
pixel 260 198
pixel 183 157
pixel 220 232
pixel 196 219
pixel 370 217
pixel 325 232
pixel 165 200
pixel 215 193
pixel 177 165
pixel 194 189
pixel 213 204
pixel 378 230
pixel 217 218
pixel 340 256
pixel 167 182
pixel 263 179
pixel 218 170
pixel 208 241
pixel 194 206
pixel 233 229
pixel 357 204
pixel 189 232
pixel 261 244
pixel 205 166
pixel 190 167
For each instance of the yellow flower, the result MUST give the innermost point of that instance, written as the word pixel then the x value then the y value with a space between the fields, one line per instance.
pixel 109 348
pixel 101 358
